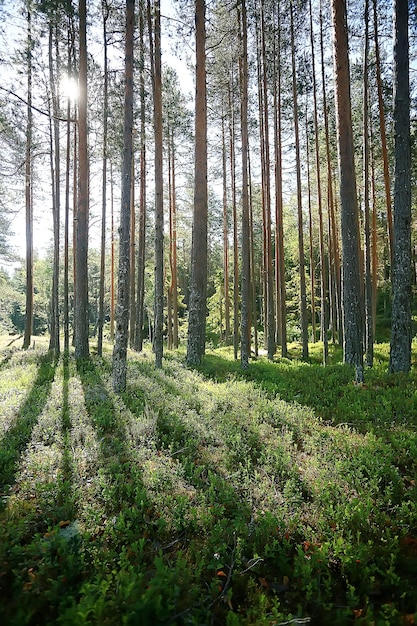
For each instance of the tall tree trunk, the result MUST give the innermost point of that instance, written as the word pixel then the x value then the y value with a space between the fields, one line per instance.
pixel 280 287
pixel 383 135
pixel 301 263
pixel 245 288
pixel 352 301
pixel 369 338
pixel 28 189
pixel 225 238
pixel 310 231
pixel 159 192
pixel 174 268
pixel 401 336
pixel 198 294
pixel 112 255
pixel 140 286
pixel 254 308
pixel 105 11
pixel 132 301
pixel 54 342
pixel 334 252
pixel 235 228
pixel 265 153
pixel 122 309
pixel 323 268
pixel 81 320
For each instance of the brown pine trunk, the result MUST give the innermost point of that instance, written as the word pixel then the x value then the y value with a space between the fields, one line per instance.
pixel 198 294
pixel 352 302
pixel 81 321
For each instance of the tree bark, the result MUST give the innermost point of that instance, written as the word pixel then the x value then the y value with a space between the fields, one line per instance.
pixel 158 345
pixel 369 337
pixel 140 286
pixel 323 268
pixel 105 10
pixel 28 189
pixel 245 284
pixel 301 262
pixel 122 309
pixel 81 321
pixel 401 336
pixel 280 288
pixel 352 301
pixel 198 294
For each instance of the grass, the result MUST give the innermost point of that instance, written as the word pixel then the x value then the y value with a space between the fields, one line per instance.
pixel 285 494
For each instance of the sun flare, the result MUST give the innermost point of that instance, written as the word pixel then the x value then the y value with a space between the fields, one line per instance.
pixel 69 87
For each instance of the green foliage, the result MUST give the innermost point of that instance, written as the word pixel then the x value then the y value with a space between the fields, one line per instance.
pixel 213 496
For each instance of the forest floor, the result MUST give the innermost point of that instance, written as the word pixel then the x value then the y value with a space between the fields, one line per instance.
pixel 283 495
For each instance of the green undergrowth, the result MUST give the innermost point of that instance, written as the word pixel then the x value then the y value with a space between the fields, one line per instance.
pixel 285 494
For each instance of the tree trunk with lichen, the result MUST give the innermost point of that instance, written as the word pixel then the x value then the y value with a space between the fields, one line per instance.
pixel 122 308
pixel 400 349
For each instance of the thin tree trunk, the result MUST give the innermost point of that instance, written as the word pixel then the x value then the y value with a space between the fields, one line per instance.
pixel 225 238
pixel 383 135
pixel 198 294
pixel 323 268
pixel 132 301
pixel 123 292
pixel 310 230
pixel 254 308
pixel 334 252
pixel 81 321
pixel 140 287
pixel 266 187
pixel 281 296
pixel 369 338
pixel 105 10
pixel 374 270
pixel 245 288
pixel 235 229
pixel 54 343
pixel 174 276
pixel 301 263
pixel 66 225
pixel 112 256
pixel 401 335
pixel 28 189
pixel 158 345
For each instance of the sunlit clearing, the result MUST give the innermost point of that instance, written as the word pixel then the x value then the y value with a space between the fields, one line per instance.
pixel 69 87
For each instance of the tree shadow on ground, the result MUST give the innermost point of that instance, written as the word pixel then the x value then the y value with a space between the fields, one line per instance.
pixel 18 435
pixel 122 476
